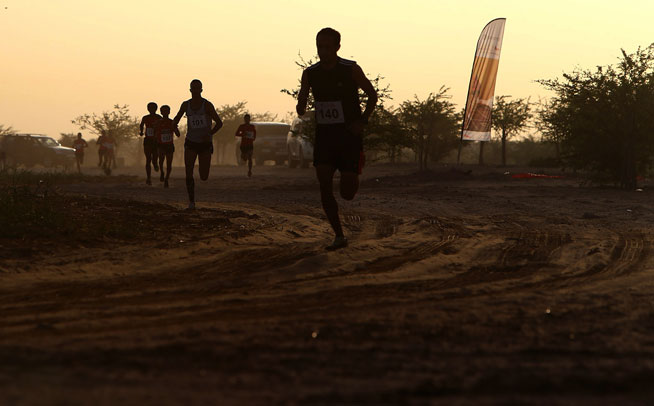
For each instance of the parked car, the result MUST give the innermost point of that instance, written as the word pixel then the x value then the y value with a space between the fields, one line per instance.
pixel 270 144
pixel 299 149
pixel 35 149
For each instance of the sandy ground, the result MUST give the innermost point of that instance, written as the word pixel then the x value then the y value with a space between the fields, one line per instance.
pixel 457 288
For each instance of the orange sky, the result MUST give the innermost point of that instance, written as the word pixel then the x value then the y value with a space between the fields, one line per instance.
pixel 63 58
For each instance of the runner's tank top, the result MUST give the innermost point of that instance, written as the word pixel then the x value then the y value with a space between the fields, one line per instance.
pixel 79 145
pixel 336 94
pixel 150 121
pixel 165 130
pixel 199 123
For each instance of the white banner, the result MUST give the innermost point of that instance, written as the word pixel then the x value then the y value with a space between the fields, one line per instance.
pixel 477 120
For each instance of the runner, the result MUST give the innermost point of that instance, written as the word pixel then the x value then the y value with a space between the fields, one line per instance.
pixel 198 144
pixel 164 130
pixel 248 134
pixel 150 141
pixel 79 144
pixel 109 146
pixel 334 83
pixel 101 149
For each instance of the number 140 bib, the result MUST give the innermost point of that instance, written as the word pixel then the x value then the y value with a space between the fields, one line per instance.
pixel 329 112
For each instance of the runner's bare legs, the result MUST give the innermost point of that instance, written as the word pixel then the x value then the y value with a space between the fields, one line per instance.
pixel 325 175
pixel 349 186
pixel 204 165
pixel 161 165
pixel 169 167
pixel 148 160
pixel 189 163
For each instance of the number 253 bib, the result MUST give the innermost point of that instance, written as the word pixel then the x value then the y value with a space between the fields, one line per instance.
pixel 166 136
pixel 329 112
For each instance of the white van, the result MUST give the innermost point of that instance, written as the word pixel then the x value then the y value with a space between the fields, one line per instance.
pixel 270 144
pixel 300 150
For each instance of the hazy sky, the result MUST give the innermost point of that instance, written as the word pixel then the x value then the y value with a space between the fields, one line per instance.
pixel 62 58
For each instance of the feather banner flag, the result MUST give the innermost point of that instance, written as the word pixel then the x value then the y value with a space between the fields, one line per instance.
pixel 477 118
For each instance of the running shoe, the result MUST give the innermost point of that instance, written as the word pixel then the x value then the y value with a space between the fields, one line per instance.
pixel 147 182
pixel 166 184
pixel 191 206
pixel 339 242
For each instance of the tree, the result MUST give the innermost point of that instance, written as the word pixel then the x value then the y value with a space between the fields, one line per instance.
pixel 6 130
pixel 509 117
pixel 387 134
pixel 117 123
pixel 67 139
pixel 549 120
pixel 603 117
pixel 432 124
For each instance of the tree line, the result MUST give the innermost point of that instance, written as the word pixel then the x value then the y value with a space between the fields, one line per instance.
pixel 428 127
pixel 599 121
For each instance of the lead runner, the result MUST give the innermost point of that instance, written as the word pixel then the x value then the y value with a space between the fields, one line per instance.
pixel 335 83
pixel 198 144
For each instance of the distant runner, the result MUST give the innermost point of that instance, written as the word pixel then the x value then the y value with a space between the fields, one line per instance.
pixel 334 83
pixel 101 149
pixel 79 144
pixel 248 134
pixel 164 130
pixel 109 147
pixel 198 144
pixel 150 141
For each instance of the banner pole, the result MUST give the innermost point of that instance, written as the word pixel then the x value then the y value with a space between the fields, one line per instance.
pixel 465 107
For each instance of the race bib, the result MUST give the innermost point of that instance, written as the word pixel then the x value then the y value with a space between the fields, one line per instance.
pixel 329 112
pixel 108 145
pixel 166 136
pixel 149 132
pixel 78 147
pixel 197 121
pixel 249 135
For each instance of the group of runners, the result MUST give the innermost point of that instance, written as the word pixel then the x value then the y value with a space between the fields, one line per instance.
pixel 158 145
pixel 106 148
pixel 334 83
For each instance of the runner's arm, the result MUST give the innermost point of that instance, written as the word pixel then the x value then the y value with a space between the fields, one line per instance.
pixel 141 126
pixel 180 113
pixel 239 132
pixel 214 115
pixel 176 130
pixel 367 87
pixel 303 95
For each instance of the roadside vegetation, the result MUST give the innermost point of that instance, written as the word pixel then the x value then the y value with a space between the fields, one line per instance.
pixel 597 121
pixel 32 207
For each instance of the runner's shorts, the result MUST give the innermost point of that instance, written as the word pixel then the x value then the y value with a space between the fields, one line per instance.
pixel 246 148
pixel 166 148
pixel 199 147
pixel 338 147
pixel 150 145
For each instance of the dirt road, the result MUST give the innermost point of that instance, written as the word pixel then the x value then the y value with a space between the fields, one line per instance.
pixel 458 288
